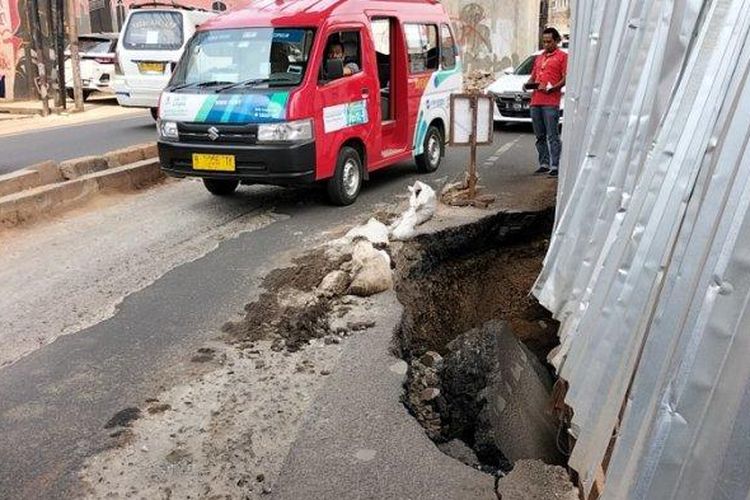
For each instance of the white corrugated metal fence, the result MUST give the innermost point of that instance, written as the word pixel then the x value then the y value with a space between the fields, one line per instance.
pixel 649 265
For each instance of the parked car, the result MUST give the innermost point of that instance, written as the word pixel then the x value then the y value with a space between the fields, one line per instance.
pixel 512 102
pixel 151 42
pixel 302 92
pixel 97 52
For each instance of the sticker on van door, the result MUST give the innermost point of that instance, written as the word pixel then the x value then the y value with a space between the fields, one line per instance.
pixel 344 115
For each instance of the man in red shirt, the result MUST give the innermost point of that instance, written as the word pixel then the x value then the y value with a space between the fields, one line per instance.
pixel 547 79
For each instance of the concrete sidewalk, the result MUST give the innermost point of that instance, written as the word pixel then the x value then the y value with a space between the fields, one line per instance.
pixel 20 120
pixel 358 440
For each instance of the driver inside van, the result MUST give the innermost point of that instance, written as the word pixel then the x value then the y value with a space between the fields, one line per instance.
pixel 336 52
pixel 279 58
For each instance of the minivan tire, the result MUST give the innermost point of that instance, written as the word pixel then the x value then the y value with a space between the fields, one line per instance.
pixel 221 187
pixel 84 94
pixel 154 113
pixel 434 150
pixel 343 188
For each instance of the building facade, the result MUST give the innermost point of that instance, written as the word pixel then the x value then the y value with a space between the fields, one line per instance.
pixel 493 34
pixel 559 15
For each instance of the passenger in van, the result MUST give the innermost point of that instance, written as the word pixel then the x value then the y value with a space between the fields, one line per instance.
pixel 336 51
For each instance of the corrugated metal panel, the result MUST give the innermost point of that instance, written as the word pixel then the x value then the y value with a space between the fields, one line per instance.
pixel 649 265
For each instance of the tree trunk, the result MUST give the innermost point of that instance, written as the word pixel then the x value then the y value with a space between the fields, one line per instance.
pixel 41 55
pixel 75 58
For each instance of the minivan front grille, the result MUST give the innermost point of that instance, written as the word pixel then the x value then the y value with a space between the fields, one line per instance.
pixel 201 133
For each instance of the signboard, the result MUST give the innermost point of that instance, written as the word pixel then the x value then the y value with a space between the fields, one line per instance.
pixel 471 125
pixel 463 119
pixel 344 115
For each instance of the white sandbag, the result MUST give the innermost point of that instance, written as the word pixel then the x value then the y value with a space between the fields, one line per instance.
pixel 385 256
pixel 334 283
pixel 375 276
pixel 374 231
pixel 422 206
pixel 363 252
pixel 371 269
pixel 423 200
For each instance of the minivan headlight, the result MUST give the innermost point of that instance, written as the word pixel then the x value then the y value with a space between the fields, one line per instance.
pixel 300 130
pixel 168 130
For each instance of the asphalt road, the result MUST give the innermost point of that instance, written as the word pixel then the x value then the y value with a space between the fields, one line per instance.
pixel 56 399
pixel 73 141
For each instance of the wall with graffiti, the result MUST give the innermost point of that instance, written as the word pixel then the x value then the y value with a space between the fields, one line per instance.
pixel 495 34
pixel 10 42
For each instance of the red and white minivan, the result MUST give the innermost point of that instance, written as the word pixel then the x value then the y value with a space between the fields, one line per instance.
pixel 299 91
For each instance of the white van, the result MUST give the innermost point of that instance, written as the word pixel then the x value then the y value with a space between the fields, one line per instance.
pixel 151 42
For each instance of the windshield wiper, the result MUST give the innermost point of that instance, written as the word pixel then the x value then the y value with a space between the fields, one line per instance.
pixel 199 85
pixel 244 83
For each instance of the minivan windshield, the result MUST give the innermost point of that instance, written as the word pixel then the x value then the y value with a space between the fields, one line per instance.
pixel 157 30
pixel 218 60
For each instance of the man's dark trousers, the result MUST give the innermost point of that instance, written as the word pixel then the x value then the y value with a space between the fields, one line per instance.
pixel 545 120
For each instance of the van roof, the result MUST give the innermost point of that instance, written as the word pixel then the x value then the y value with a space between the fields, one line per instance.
pixel 314 12
pixel 165 6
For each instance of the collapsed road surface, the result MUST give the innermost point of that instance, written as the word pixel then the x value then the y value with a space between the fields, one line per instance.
pixel 139 284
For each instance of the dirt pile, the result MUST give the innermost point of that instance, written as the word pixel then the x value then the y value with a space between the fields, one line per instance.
pixel 423 394
pixel 459 279
pixel 298 300
pixel 289 312
pixel 478 80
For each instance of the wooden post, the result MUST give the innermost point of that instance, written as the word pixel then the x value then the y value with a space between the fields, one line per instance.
pixel 75 57
pixel 466 194
pixel 41 55
pixel 28 49
pixel 472 183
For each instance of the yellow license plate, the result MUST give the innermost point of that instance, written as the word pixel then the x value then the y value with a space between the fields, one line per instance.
pixel 151 67
pixel 223 163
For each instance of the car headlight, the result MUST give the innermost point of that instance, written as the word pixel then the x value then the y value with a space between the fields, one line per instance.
pixel 300 130
pixel 168 131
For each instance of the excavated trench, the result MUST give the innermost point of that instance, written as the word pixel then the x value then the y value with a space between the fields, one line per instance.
pixel 476 341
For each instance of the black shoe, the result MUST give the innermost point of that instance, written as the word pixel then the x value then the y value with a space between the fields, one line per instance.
pixel 541 170
pixel 553 173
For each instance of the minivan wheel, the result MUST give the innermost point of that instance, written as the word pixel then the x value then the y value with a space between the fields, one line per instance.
pixel 154 113
pixel 85 94
pixel 221 187
pixel 434 150
pixel 344 186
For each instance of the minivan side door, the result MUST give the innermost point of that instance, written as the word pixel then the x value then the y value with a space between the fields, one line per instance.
pixel 422 43
pixel 348 105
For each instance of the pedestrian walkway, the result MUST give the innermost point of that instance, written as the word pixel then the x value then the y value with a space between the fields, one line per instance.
pixel 21 116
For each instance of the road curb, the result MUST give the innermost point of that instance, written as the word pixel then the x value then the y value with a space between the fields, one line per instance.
pixel 50 189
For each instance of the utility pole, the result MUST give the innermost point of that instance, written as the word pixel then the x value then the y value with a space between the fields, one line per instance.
pixel 75 58
pixel 41 55
pixel 543 19
pixel 51 49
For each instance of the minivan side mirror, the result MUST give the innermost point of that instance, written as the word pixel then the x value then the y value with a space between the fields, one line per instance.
pixel 509 70
pixel 334 69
